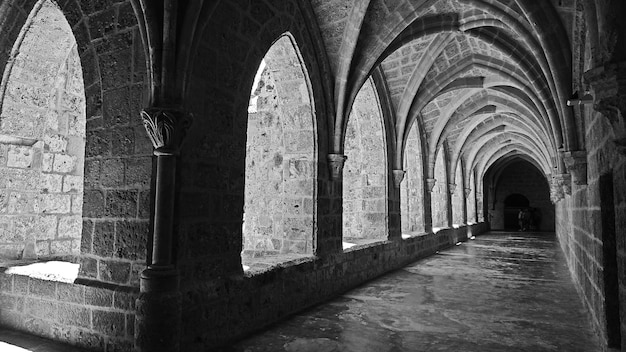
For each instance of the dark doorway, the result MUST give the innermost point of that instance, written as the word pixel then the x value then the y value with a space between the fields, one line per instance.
pixel 609 249
pixel 512 204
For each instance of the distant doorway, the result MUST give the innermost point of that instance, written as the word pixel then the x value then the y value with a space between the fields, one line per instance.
pixel 512 204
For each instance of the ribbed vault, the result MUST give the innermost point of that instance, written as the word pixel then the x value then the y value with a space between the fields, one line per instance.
pixel 488 79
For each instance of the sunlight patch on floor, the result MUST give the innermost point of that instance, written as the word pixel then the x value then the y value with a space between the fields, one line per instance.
pixel 52 271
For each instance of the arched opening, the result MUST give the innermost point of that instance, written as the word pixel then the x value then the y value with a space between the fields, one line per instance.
pixel 512 206
pixel 364 174
pixel 280 172
pixel 521 185
pixel 42 141
pixel 412 189
pixel 439 198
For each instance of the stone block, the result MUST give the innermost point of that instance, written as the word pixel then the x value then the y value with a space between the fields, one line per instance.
pixel 99 297
pixel 42 288
pixel 74 315
pixel 130 239
pixel 121 204
pixel 51 183
pixel 88 268
pixel 64 163
pixel 93 204
pixel 77 204
pixel 104 238
pixel 139 172
pixel 55 203
pixel 55 143
pixel 62 247
pixel 72 183
pixel 70 293
pixel 114 271
pixel 45 227
pixel 20 157
pixel 112 173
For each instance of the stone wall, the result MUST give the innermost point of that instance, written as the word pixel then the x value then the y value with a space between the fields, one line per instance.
pixel 83 314
pixel 523 178
pixel 42 143
pixel 590 228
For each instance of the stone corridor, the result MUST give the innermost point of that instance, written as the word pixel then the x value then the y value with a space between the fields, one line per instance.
pixel 504 291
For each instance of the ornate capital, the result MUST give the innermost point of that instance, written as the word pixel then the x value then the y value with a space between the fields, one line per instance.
pixel 468 191
pixel 166 128
pixel 398 176
pixel 335 165
pixel 451 188
pixel 576 163
pixel 430 184
pixel 609 87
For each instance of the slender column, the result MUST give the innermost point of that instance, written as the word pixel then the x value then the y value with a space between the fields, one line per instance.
pixel 158 315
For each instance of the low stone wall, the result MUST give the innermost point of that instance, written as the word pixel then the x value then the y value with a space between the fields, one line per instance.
pixel 86 314
pixel 220 311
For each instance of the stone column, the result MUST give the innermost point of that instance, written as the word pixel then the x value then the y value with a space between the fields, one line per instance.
pixel 608 83
pixel 395 221
pixel 158 315
pixel 331 235
pixel 449 199
pixel 428 204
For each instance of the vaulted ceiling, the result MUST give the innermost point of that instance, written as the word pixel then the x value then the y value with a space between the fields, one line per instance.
pixel 489 79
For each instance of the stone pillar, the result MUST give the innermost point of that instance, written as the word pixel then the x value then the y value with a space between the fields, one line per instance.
pixel 608 83
pixel 576 163
pixel 450 208
pixel 158 315
pixel 428 204
pixel 394 216
pixel 329 239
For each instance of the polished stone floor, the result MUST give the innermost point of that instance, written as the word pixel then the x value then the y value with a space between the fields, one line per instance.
pixel 500 292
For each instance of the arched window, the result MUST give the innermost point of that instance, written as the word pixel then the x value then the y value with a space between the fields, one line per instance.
pixel 412 189
pixel 279 206
pixel 365 172
pixel 42 141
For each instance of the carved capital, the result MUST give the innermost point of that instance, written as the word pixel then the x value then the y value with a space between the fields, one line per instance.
pixel 468 191
pixel 576 163
pixel 609 89
pixel 430 184
pixel 398 176
pixel 451 188
pixel 335 165
pixel 166 128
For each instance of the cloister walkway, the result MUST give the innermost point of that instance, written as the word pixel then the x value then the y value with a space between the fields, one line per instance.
pixel 503 291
